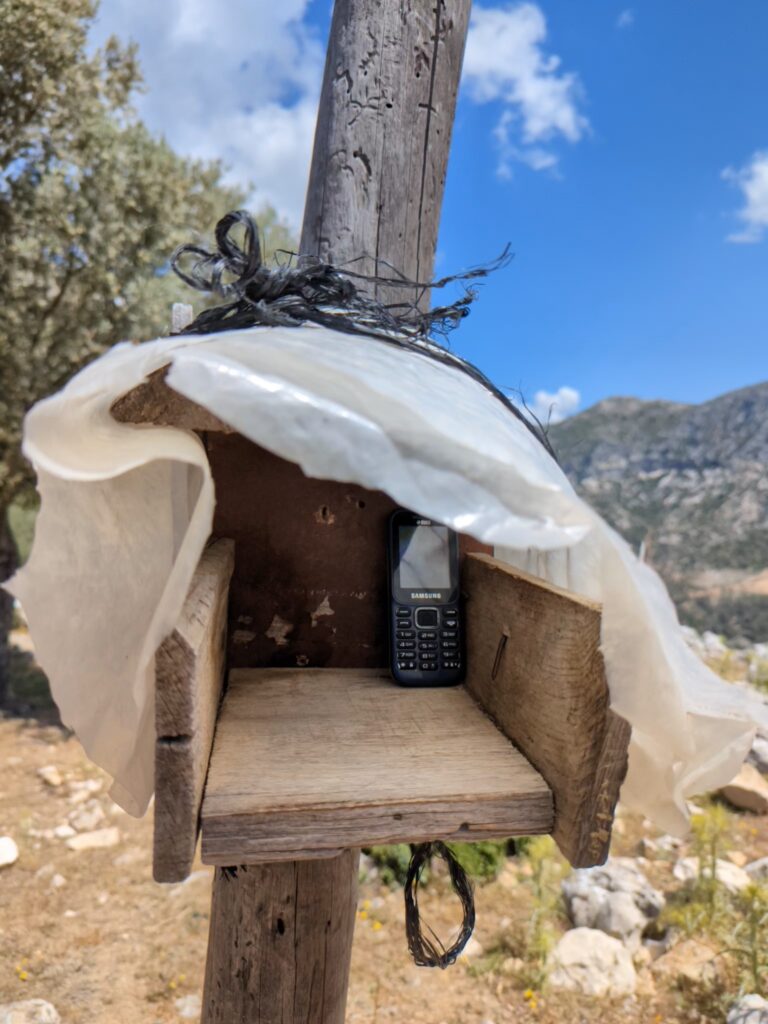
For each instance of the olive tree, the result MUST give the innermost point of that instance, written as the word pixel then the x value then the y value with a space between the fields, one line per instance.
pixel 91 206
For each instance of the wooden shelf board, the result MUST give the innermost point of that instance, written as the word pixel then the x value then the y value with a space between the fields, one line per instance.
pixel 307 762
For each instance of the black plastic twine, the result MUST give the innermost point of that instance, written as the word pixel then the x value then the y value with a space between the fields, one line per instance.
pixel 430 952
pixel 315 292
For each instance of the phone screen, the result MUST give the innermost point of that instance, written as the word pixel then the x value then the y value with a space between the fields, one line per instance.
pixel 424 558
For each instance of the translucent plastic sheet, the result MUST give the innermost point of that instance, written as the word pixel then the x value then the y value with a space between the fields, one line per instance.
pixel 126 511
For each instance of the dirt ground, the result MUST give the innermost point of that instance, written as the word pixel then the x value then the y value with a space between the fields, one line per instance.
pixel 93 934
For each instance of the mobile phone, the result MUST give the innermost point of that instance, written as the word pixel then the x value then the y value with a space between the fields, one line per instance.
pixel 425 622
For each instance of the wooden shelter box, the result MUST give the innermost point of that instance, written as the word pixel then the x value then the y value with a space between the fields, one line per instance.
pixel 281 736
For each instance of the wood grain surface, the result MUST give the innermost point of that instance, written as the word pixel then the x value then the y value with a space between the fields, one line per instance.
pixel 383 135
pixel 189 671
pixel 308 762
pixel 279 943
pixel 549 695
pixel 310 581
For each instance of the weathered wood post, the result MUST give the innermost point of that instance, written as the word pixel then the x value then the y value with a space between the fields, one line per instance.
pixel 281 933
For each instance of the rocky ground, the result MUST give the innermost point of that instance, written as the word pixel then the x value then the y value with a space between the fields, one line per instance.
pixel 86 935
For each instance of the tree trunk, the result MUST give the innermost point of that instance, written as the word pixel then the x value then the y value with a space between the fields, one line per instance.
pixel 9 560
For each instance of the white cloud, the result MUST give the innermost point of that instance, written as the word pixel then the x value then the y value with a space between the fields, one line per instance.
pixel 506 62
pixel 626 19
pixel 554 407
pixel 239 85
pixel 752 179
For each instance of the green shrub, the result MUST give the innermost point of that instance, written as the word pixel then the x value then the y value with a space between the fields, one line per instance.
pixel 482 861
pixel 392 862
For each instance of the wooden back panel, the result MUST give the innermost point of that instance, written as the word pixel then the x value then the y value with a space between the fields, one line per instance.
pixel 310 582
pixel 534 663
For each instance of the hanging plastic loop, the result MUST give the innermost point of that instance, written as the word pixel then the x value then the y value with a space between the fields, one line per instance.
pixel 429 951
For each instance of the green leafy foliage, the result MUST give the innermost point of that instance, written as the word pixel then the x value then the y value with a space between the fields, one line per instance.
pixel 392 862
pixel 21 520
pixel 736 924
pixel 748 939
pixel 91 206
pixel 483 860
pixel 547 870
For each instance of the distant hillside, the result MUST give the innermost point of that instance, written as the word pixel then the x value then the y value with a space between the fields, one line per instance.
pixel 690 484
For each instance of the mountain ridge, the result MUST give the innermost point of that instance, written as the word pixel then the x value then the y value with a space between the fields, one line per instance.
pixel 688 484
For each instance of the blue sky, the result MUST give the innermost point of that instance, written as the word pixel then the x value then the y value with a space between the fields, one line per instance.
pixel 621 150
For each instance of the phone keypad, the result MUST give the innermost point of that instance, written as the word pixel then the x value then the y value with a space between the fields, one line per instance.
pixel 428 640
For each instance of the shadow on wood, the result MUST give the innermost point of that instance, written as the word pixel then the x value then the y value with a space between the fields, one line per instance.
pixel 545 687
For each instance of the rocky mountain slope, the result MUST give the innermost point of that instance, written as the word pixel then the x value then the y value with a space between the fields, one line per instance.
pixel 688 484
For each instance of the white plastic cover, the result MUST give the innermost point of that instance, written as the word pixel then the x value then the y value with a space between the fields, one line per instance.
pixel 126 511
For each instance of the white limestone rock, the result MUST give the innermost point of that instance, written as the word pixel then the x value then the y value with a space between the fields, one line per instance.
pixel 30 1011
pixel 50 775
pixel 713 645
pixel 729 875
pixel 751 1009
pixel 758 755
pixel 758 870
pixel 615 898
pixel 80 792
pixel 748 790
pixel 690 960
pixel 589 961
pixel 189 1007
pixel 98 840
pixel 9 852
pixel 88 817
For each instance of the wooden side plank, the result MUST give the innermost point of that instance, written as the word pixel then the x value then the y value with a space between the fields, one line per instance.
pixel 154 401
pixel 545 687
pixel 189 671
pixel 280 942
pixel 310 761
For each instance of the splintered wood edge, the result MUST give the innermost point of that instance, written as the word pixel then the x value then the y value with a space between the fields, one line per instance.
pixel 157 403
pixel 189 673
pixel 549 695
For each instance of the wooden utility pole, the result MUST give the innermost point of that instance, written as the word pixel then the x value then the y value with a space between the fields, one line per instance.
pixel 384 131
pixel 281 933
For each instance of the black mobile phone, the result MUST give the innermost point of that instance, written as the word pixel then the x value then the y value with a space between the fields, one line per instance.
pixel 425 621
